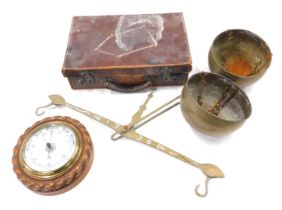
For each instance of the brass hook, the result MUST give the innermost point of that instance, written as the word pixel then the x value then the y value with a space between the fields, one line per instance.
pixel 41 110
pixel 206 188
pixel 56 100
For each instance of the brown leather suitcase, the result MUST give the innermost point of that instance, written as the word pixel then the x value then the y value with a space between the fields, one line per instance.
pixel 127 52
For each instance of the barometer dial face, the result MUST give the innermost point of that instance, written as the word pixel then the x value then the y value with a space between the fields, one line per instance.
pixel 50 148
pixel 53 155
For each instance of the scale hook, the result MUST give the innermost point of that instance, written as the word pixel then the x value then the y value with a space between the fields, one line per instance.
pixel 206 188
pixel 41 110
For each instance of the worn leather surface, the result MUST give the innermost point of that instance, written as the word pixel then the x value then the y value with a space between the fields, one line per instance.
pixel 137 45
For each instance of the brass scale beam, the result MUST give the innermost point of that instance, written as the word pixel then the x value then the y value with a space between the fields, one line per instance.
pixel 128 131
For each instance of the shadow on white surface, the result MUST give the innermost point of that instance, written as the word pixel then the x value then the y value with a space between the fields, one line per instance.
pixel 211 139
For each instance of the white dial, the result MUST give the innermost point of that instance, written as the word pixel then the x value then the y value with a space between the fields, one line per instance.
pixel 50 147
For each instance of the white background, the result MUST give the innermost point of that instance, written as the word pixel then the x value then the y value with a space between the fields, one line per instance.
pixel 125 174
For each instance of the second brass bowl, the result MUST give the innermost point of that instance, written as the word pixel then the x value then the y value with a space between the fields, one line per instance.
pixel 239 55
pixel 214 104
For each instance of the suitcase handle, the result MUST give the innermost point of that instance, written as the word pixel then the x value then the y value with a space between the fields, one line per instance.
pixel 127 89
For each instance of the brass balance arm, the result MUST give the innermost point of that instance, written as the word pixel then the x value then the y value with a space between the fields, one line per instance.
pixel 209 170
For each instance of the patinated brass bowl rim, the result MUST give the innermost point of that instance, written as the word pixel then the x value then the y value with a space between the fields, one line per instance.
pixel 244 95
pixel 248 33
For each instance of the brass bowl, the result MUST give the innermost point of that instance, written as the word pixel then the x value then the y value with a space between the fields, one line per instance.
pixel 239 55
pixel 214 104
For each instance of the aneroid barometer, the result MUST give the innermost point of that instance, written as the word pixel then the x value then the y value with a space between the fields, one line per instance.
pixel 53 155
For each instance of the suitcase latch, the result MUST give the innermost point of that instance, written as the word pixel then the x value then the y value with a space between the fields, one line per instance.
pixel 86 78
pixel 167 75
